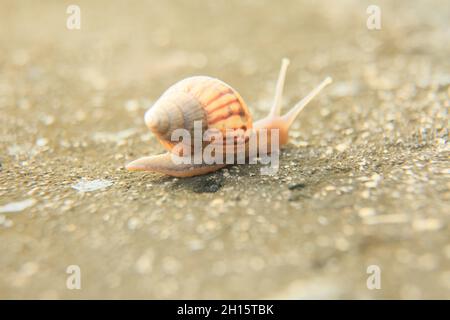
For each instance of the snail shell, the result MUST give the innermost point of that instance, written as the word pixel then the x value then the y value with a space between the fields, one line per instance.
pixel 211 101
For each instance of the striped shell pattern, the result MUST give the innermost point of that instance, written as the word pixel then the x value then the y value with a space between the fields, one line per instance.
pixel 199 98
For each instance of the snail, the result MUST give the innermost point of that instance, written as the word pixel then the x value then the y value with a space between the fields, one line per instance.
pixel 218 106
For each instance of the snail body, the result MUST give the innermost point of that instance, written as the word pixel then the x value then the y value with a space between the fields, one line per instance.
pixel 217 107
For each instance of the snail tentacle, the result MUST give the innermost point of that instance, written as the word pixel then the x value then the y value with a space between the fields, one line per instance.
pixel 290 116
pixel 276 107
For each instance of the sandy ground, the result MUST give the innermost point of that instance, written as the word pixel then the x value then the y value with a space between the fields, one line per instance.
pixel 364 181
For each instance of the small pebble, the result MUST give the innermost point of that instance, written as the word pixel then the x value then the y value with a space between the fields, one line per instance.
pixel 386 219
pixel 133 223
pixel 17 206
pixel 92 185
pixel 296 186
pixel 427 224
pixel 366 212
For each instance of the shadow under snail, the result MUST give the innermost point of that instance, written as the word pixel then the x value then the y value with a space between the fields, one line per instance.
pixel 219 107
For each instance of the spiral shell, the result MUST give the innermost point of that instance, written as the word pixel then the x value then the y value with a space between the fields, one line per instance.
pixel 199 98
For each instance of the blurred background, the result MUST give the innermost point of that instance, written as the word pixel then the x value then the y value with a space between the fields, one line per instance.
pixel 363 182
